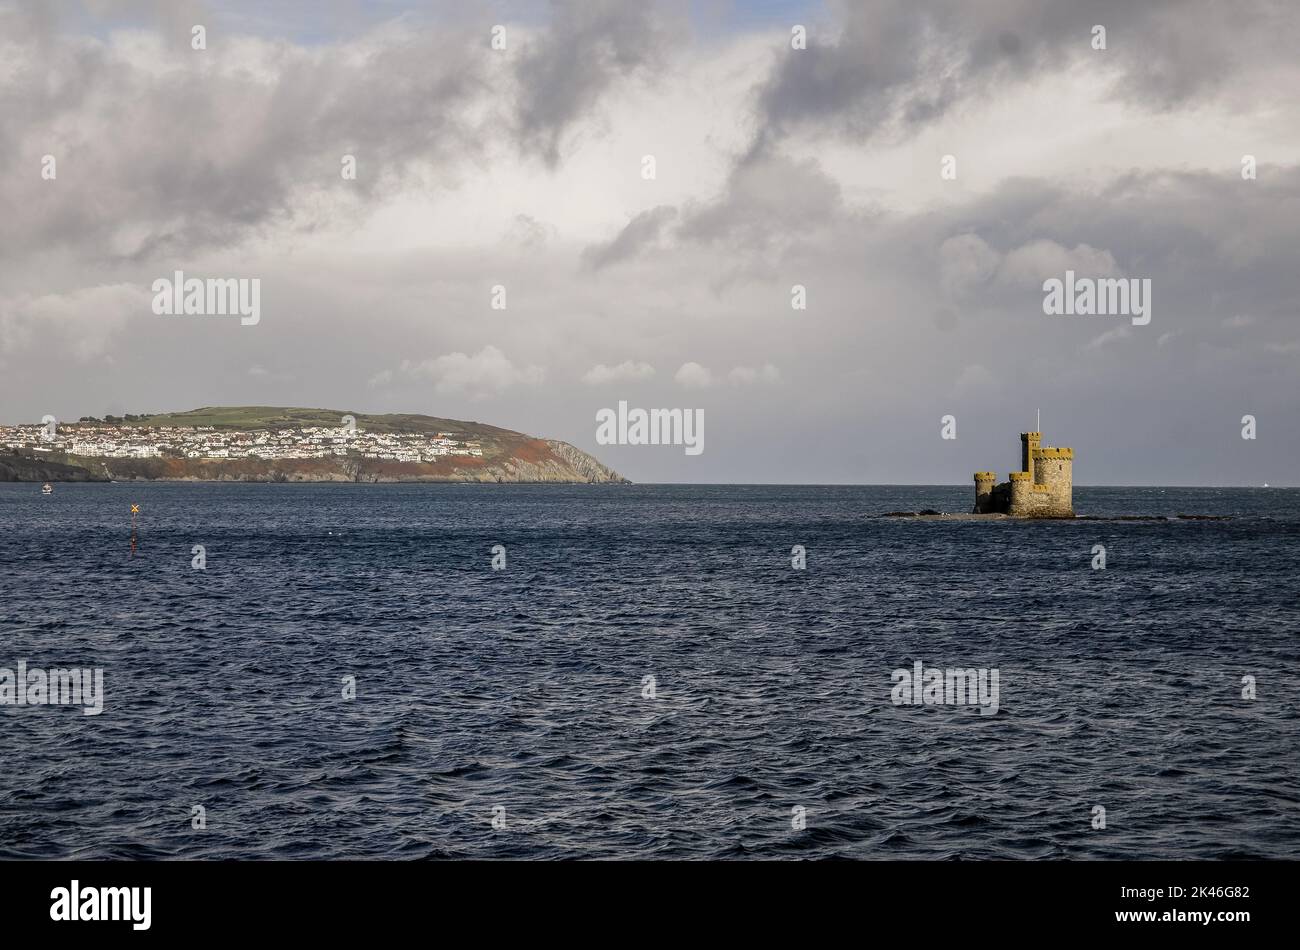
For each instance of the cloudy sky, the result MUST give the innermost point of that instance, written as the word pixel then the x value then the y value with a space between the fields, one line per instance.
pixel 526 168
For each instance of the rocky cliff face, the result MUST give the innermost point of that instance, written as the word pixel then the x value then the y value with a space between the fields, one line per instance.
pixel 23 468
pixel 582 463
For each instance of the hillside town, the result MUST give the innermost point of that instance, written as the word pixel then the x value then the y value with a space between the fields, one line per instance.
pixel 111 440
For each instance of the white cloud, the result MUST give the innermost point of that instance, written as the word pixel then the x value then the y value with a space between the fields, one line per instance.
pixel 1109 337
pixel 1032 263
pixel 974 378
pixel 258 371
pixel 1239 321
pixel 748 375
pixel 89 318
pixel 487 372
pixel 624 372
pixel 965 262
pixel 694 376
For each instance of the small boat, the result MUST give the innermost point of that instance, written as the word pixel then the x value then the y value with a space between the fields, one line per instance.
pixel 47 489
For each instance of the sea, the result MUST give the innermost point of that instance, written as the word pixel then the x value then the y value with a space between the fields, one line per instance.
pixel 647 672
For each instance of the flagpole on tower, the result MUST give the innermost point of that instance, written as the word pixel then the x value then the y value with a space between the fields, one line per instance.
pixel 1038 426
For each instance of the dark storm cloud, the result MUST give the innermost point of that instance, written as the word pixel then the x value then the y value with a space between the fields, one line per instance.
pixel 173 151
pixel 588 46
pixel 162 149
pixel 896 66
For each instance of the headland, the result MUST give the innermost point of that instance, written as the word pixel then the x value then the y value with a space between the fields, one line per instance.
pixel 279 444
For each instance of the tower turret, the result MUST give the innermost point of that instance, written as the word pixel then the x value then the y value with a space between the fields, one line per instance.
pixel 1054 470
pixel 1029 442
pixel 984 482
pixel 1022 499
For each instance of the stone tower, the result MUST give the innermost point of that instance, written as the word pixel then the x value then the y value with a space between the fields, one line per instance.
pixel 1043 488
pixel 1029 442
pixel 984 482
pixel 1054 470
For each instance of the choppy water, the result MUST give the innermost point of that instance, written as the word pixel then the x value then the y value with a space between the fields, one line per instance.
pixel 522 689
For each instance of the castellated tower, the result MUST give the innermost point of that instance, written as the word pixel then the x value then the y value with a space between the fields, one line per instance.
pixel 1054 472
pixel 984 490
pixel 1029 442
pixel 1043 488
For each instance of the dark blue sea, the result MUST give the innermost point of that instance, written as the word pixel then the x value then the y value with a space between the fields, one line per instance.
pixel 520 695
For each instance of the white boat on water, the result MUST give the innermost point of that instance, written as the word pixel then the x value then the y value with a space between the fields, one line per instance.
pixel 47 489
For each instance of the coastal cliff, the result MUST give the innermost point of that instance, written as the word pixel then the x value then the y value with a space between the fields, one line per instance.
pixel 22 468
pixel 497 455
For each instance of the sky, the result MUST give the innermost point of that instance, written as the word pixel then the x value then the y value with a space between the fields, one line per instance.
pixel 919 169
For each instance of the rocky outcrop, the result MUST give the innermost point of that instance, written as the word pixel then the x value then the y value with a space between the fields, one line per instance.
pixel 582 463
pixel 24 468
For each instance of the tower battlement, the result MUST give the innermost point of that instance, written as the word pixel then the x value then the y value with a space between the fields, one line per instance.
pixel 1042 488
pixel 984 483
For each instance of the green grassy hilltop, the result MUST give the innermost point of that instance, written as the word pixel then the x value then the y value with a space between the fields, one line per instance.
pixel 248 418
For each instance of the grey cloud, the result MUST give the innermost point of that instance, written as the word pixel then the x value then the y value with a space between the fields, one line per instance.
pixel 764 201
pixel 1215 238
pixel 158 155
pixel 965 261
pixel 589 45
pixel 766 204
pixel 1027 264
pixel 166 156
pixel 83 322
pixel 163 150
pixel 897 65
pixel 864 366
pixel 641 231
pixel 884 349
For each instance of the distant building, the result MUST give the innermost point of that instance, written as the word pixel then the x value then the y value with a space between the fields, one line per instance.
pixel 1043 488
